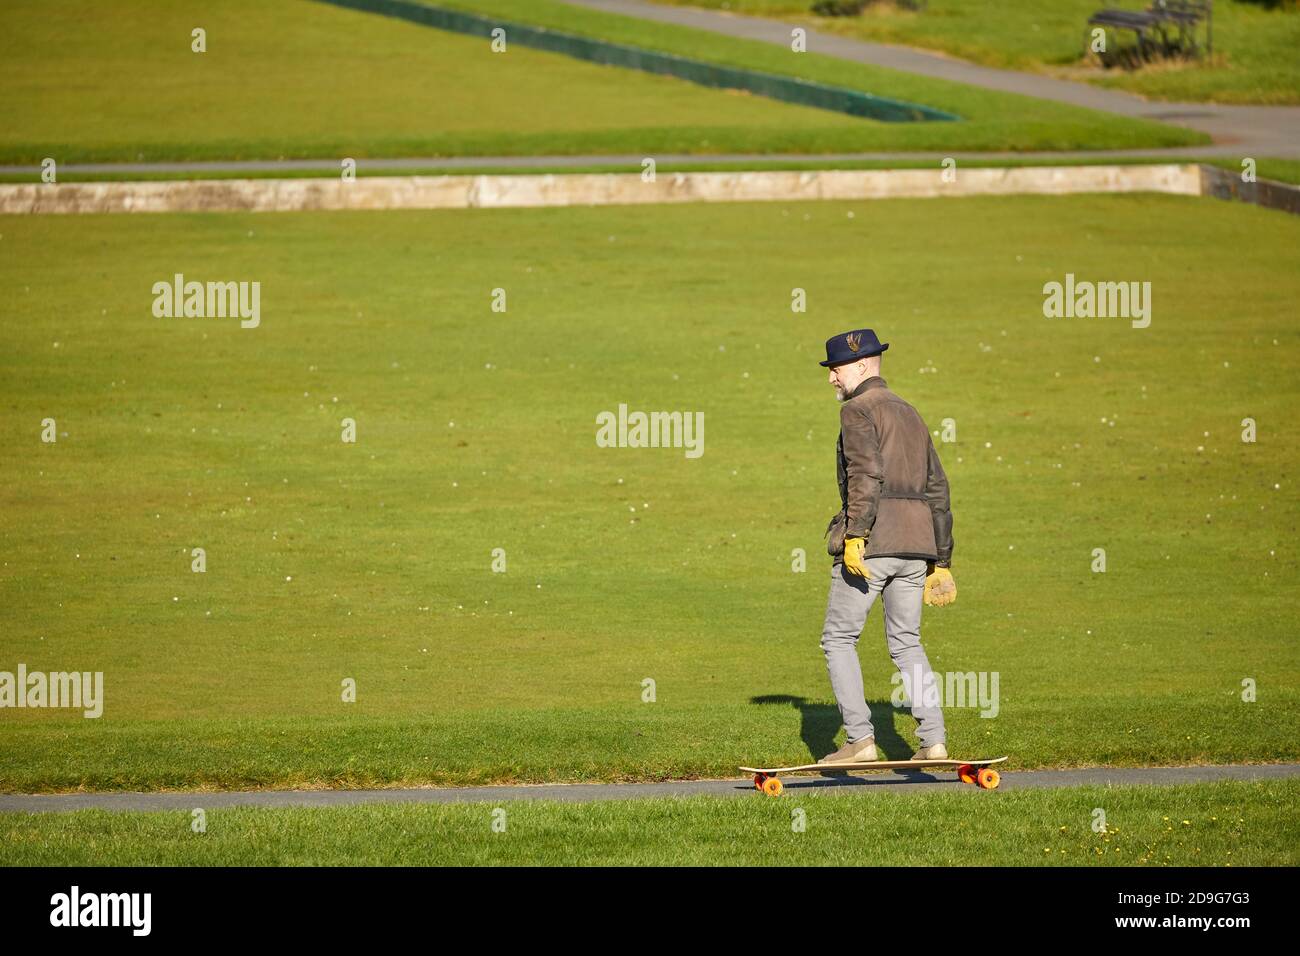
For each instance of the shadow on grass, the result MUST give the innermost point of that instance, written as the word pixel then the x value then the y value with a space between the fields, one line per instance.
pixel 820 723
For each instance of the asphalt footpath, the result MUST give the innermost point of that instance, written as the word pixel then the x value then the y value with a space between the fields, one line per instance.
pixel 864 784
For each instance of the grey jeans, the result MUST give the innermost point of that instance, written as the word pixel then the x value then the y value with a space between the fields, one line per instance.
pixel 901 583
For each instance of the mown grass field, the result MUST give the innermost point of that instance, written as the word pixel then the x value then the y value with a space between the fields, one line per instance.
pixel 103 82
pixel 1219 824
pixel 1254 58
pixel 476 430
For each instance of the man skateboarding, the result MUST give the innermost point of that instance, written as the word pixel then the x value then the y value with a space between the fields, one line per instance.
pixel 892 538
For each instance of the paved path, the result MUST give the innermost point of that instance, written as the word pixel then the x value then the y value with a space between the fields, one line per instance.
pixel 867 784
pixel 1254 130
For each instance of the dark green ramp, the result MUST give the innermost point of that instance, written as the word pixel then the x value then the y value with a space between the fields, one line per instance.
pixel 789 89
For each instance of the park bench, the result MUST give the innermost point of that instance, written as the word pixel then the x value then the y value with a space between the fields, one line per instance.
pixel 1187 15
pixel 1166 28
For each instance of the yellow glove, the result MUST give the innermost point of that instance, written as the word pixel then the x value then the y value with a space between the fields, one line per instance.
pixel 940 588
pixel 854 557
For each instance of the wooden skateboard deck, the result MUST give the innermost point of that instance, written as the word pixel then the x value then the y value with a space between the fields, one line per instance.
pixel 978 772
pixel 873 765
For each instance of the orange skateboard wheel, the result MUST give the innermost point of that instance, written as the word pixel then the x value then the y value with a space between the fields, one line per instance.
pixel 988 778
pixel 758 780
pixel 966 773
pixel 772 787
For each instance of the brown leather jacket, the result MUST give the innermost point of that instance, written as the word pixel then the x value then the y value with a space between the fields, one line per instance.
pixel 892 486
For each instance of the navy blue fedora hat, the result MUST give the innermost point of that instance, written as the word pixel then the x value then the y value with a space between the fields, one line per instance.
pixel 851 346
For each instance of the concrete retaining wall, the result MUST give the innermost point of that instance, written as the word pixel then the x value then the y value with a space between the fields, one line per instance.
pixel 584 189
pixel 1223 184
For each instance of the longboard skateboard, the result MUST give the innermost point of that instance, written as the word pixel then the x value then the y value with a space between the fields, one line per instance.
pixel 978 772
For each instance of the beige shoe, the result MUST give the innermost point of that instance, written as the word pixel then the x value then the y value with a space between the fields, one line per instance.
pixel 860 751
pixel 934 752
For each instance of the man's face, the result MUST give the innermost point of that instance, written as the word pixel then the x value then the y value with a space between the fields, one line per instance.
pixel 845 378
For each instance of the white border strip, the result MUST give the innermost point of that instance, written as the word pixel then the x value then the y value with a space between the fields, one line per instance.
pixel 585 189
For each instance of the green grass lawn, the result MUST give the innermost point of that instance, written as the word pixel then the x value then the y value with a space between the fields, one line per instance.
pixel 1216 824
pixel 303 79
pixel 1254 45
pixel 1281 170
pixel 476 430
